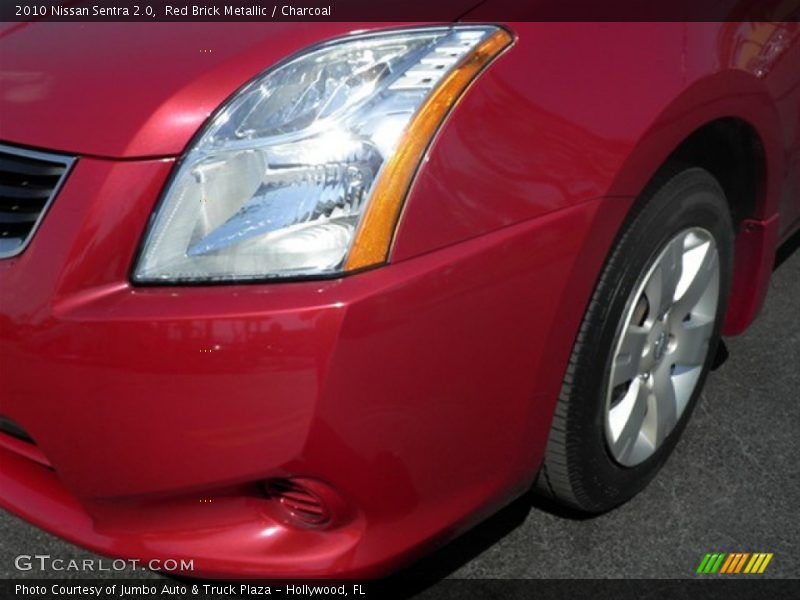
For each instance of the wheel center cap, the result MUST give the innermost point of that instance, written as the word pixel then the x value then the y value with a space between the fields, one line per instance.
pixel 660 346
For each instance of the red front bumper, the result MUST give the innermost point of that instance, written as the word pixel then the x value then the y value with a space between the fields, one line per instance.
pixel 421 391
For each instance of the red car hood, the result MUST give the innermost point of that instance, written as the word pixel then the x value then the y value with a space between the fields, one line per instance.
pixel 135 89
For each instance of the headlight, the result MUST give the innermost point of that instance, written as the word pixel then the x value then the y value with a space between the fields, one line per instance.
pixel 304 171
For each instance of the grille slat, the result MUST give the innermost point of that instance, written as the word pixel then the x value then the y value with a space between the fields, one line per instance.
pixel 23 165
pixel 25 191
pixel 29 181
pixel 21 180
pixel 13 205
pixel 13 231
pixel 15 216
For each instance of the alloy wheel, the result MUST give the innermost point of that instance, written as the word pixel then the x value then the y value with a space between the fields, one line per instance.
pixel 661 346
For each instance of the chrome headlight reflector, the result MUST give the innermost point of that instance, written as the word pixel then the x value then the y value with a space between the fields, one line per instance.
pixel 304 171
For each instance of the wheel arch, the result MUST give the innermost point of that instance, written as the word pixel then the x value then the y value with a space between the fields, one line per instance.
pixel 728 125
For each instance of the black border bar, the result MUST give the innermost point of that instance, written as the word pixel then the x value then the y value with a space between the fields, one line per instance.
pixel 710 588
pixel 398 10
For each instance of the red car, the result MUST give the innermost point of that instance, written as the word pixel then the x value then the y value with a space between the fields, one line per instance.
pixel 307 300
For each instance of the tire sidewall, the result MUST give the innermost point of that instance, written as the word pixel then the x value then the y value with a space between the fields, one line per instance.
pixel 691 199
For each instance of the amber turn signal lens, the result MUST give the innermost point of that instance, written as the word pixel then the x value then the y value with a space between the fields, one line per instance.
pixel 375 232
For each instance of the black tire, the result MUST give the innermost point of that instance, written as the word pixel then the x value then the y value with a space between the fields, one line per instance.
pixel 579 471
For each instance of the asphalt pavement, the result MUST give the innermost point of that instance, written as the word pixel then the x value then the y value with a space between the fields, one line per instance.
pixel 732 485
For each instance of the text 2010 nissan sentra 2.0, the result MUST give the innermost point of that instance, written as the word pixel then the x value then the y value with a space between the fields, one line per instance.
pixel 307 300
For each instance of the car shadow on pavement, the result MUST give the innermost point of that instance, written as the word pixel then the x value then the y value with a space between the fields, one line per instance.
pixel 448 559
pixel 787 249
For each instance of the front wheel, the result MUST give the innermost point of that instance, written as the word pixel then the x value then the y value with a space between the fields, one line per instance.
pixel 645 345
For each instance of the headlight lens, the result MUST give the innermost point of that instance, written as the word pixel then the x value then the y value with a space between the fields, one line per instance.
pixel 304 171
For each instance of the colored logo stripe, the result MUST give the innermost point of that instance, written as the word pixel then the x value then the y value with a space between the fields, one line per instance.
pixel 726 566
pixel 711 562
pixel 734 562
pixel 758 563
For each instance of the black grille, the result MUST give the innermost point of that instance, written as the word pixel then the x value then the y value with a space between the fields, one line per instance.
pixel 298 501
pixel 28 183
